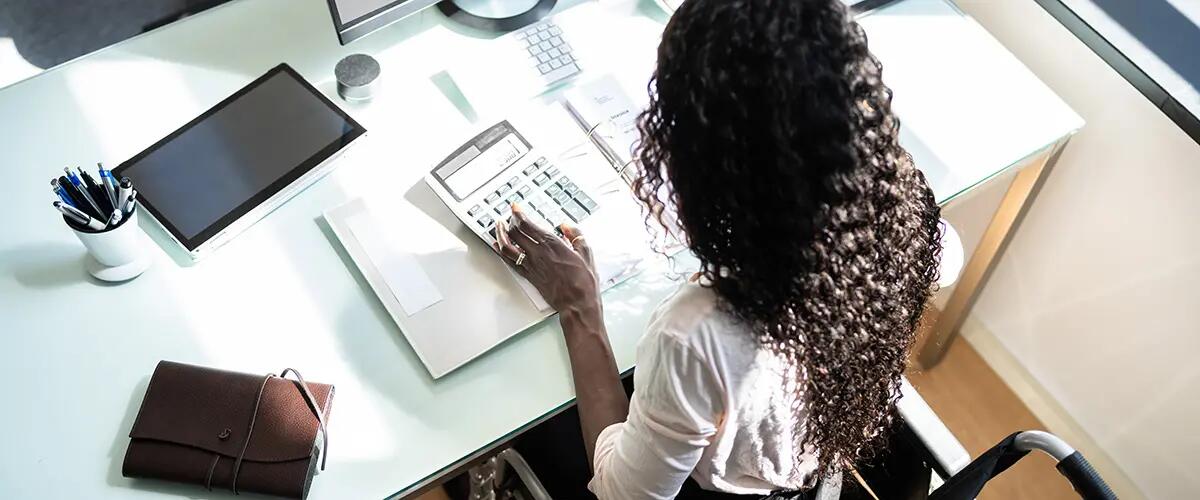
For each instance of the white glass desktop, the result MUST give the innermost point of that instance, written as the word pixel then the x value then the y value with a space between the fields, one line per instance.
pixel 78 354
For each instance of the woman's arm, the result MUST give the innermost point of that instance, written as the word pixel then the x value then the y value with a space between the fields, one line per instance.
pixel 601 398
pixel 564 272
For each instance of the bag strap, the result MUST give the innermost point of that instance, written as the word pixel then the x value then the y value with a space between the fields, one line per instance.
pixel 312 405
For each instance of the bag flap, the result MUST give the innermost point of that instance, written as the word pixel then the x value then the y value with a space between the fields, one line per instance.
pixel 211 409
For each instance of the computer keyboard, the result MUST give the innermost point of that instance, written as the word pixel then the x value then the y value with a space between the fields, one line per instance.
pixel 549 53
pixel 552 198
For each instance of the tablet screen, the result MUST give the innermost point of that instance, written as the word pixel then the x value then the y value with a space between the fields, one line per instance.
pixel 235 156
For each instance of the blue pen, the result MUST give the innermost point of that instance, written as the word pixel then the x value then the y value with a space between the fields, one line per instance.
pixel 62 193
pixel 110 184
pixel 82 190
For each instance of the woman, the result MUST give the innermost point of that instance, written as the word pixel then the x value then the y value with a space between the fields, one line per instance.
pixel 772 133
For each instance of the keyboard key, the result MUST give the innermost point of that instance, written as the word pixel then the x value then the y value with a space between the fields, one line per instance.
pixel 524 191
pixel 554 64
pixel 565 47
pixel 560 74
pixel 513 198
pixel 544 68
pixel 545 45
pixel 555 41
pixel 570 188
pixel 474 210
pixel 504 188
pixel 554 54
pixel 543 26
pixel 543 57
pixel 541 162
pixel 586 202
pixel 553 190
pixel 565 59
pixel 491 198
pixel 561 198
pixel 485 221
pixel 531 31
pixel 553 171
pixel 555 30
pixel 576 212
pixel 534 50
pixel 541 179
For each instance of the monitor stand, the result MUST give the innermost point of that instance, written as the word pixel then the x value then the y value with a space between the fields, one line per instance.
pixel 497 15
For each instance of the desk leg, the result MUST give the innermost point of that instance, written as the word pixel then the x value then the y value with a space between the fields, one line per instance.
pixel 975 274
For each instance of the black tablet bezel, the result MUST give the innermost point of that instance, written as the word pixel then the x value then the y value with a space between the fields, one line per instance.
pixel 191 244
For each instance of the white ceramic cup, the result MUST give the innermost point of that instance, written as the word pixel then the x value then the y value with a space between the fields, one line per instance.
pixel 116 254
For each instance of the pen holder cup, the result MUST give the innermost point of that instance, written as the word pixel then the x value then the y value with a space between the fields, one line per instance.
pixel 114 254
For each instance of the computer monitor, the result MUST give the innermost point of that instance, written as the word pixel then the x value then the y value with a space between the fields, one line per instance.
pixel 355 19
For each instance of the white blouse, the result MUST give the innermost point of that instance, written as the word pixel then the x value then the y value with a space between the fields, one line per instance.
pixel 707 402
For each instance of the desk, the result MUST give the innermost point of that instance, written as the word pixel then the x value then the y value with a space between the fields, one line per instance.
pixel 283 294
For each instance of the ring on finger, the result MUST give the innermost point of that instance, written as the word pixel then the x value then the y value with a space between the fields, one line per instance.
pixel 577 238
pixel 520 259
pixel 531 238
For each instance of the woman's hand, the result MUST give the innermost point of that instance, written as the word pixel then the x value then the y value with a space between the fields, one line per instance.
pixel 561 269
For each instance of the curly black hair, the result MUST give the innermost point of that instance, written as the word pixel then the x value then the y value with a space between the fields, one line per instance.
pixel 771 134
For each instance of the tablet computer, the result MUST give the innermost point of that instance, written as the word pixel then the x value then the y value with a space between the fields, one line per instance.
pixel 229 167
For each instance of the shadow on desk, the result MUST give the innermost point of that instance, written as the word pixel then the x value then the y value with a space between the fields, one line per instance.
pixel 46 266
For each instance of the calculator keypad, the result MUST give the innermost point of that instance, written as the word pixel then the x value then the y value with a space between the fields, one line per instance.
pixel 553 198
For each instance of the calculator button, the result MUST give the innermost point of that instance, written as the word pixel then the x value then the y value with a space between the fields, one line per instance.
pixel 491 198
pixel 504 188
pixel 570 188
pixel 553 190
pixel 485 221
pixel 503 209
pixel 576 212
pixel 586 202
pixel 541 162
pixel 541 179
pixel 474 210
pixel 561 198
pixel 553 171
pixel 515 197
pixel 514 181
pixel 530 170
pixel 524 191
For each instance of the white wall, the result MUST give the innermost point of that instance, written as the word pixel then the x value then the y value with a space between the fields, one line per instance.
pixel 1098 296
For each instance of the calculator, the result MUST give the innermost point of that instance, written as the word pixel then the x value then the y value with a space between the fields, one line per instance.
pixel 498 167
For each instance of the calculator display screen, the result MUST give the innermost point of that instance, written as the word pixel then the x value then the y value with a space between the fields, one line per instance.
pixel 480 160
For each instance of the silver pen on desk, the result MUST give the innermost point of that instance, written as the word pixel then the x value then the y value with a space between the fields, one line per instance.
pixel 78 216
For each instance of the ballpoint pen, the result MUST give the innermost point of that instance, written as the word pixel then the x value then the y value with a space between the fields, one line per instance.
pixel 79 216
pixel 125 188
pixel 98 193
pixel 60 192
pixel 82 190
pixel 117 215
pixel 110 184
pixel 128 204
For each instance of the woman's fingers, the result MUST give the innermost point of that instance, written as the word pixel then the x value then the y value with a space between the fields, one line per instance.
pixel 575 237
pixel 505 246
pixel 525 229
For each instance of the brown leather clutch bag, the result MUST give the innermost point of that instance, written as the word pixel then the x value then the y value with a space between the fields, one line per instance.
pixel 222 429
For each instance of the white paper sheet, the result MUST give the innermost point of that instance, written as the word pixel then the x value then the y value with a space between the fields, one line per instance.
pixel 398 265
pixel 604 104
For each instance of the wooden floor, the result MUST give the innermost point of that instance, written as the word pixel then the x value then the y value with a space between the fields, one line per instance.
pixel 981 410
